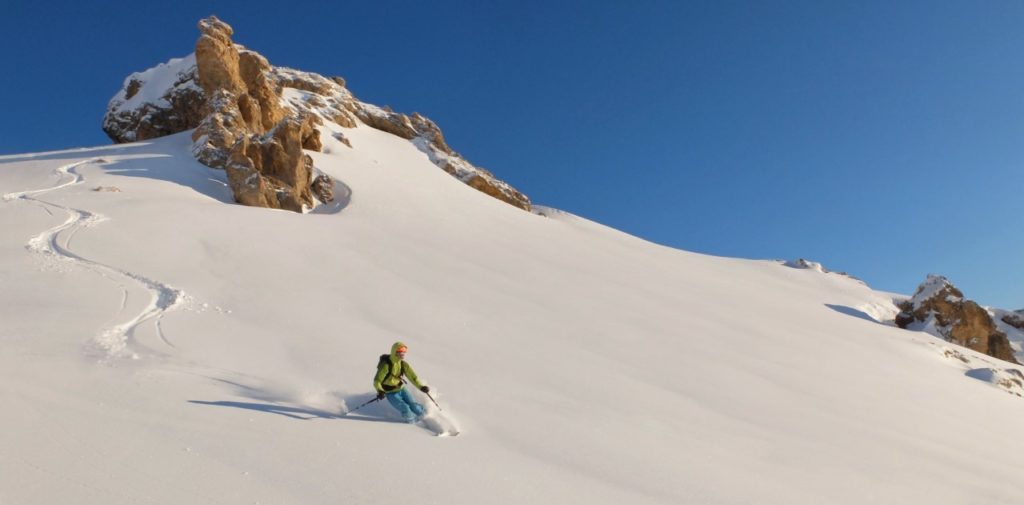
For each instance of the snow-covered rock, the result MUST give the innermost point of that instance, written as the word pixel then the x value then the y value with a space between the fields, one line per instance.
pixel 804 264
pixel 938 307
pixel 229 93
pixel 1012 324
pixel 1014 318
pixel 160 101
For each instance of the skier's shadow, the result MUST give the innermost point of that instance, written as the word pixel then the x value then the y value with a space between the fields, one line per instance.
pixel 266 401
pixel 292 412
pixel 300 413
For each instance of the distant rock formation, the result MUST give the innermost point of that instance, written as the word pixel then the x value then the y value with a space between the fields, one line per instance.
pixel 939 308
pixel 1015 319
pixel 254 120
pixel 804 264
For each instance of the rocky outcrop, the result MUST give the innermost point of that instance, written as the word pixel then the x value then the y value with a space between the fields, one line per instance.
pixel 804 264
pixel 323 188
pixel 253 120
pixel 160 101
pixel 245 131
pixel 938 307
pixel 1015 319
pixel 1012 324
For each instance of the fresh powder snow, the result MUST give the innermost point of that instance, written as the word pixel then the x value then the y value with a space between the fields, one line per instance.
pixel 162 345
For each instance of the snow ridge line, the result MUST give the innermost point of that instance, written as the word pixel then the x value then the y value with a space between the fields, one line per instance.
pixel 112 341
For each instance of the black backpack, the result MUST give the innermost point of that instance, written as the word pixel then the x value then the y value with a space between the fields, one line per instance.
pixel 385 359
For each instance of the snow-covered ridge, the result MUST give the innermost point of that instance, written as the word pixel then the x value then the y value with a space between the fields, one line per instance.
pixel 331 101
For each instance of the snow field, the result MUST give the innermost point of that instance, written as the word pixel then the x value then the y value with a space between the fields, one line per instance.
pixel 580 363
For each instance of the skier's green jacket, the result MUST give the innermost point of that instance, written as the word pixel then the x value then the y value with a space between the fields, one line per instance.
pixel 390 370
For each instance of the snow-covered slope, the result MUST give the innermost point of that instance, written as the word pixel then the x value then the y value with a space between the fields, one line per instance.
pixel 161 345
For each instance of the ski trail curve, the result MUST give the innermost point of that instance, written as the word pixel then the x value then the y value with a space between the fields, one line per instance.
pixel 54 244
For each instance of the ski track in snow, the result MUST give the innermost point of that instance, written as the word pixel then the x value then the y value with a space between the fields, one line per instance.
pixel 113 341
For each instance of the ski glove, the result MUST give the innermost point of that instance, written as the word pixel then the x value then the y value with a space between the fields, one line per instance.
pixel 380 395
pixel 425 389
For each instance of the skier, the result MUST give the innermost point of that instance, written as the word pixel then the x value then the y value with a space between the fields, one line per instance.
pixel 389 384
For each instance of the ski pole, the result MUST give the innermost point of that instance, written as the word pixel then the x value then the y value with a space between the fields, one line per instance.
pixel 435 401
pixel 375 399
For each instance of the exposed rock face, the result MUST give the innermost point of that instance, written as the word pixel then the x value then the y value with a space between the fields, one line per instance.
pixel 218 58
pixel 940 308
pixel 271 170
pixel 245 130
pixel 253 120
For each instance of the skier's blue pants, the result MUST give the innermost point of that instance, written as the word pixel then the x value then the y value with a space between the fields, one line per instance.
pixel 403 401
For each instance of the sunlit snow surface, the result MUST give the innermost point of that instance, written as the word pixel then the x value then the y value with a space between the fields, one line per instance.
pixel 163 345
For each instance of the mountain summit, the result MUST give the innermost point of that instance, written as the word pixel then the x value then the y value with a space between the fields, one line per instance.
pixel 255 120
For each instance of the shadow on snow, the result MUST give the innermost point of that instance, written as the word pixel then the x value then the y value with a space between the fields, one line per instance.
pixel 300 413
pixel 850 311
pixel 267 398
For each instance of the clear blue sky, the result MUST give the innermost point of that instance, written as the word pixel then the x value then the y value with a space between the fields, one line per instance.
pixel 882 138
